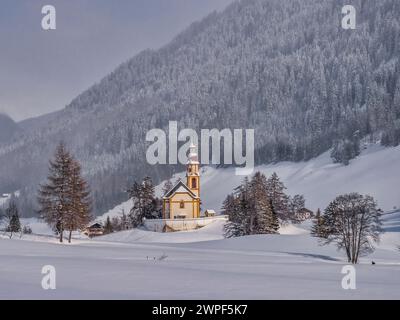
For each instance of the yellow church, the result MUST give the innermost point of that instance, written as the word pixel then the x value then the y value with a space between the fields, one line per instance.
pixel 183 200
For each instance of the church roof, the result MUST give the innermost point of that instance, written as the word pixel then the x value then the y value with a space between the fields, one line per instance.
pixel 179 187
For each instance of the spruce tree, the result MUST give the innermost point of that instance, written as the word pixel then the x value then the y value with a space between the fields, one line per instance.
pixel 280 201
pixel 145 203
pixel 1 216
pixel 235 226
pixel 296 204
pixel 108 227
pixel 317 229
pixel 124 221
pixel 250 210
pixel 262 207
pixel 53 196
pixel 79 205
pixel 13 222
pixel 64 200
pixel 167 186
pixel 136 213
pixel 245 215
pixel 274 224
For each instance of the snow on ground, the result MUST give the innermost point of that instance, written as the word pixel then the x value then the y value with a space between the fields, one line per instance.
pixel 38 226
pixel 213 231
pixel 375 172
pixel 201 264
pixel 291 266
pixel 198 264
pixel 124 207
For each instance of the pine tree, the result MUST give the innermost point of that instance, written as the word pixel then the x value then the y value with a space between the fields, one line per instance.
pixel 53 196
pixel 250 210
pixel 228 209
pixel 108 227
pixel 262 207
pixel 79 204
pixel 274 224
pixel 167 186
pixel 244 213
pixel 12 216
pixel 124 221
pixel 145 203
pixel 64 200
pixel 15 224
pixel 276 192
pixel 296 204
pixel 317 229
pixel 235 226
pixel 136 213
pixel 1 216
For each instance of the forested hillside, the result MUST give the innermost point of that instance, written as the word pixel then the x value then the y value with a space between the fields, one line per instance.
pixel 8 128
pixel 283 67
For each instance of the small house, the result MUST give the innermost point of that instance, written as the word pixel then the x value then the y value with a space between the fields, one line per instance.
pixel 94 230
pixel 210 213
pixel 304 214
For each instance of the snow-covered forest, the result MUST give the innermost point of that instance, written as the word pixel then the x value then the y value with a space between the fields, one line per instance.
pixel 285 68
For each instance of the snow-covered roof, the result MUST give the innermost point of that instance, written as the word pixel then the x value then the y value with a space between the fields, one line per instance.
pixel 95 226
pixel 179 187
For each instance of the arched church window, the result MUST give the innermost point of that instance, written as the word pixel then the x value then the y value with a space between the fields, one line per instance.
pixel 194 183
pixel 182 204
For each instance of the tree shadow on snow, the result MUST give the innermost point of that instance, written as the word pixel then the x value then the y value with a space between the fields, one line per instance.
pixel 311 255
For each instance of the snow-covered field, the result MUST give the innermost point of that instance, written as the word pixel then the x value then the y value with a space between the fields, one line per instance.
pixel 201 264
pixel 197 265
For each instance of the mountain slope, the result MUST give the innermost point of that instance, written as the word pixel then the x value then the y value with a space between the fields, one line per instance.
pixel 374 172
pixel 284 68
pixel 8 128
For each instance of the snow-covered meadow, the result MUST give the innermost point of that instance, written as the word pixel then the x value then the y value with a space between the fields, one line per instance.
pixel 190 265
pixel 201 264
pixel 197 264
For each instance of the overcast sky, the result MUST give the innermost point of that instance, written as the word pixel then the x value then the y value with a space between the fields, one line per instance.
pixel 42 71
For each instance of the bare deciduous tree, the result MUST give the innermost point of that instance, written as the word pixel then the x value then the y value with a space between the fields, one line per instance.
pixel 352 222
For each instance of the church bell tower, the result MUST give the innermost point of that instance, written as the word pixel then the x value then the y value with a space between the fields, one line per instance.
pixel 192 173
